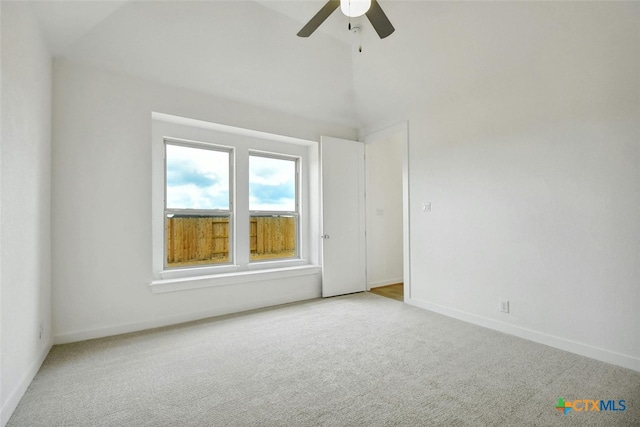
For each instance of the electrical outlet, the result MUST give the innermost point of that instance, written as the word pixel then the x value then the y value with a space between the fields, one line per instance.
pixel 504 306
pixel 426 207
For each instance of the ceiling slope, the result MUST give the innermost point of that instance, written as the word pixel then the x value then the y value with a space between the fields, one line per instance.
pixel 64 22
pixel 238 50
pixel 471 56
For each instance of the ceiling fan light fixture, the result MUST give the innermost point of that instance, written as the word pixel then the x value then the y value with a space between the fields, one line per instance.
pixel 351 8
pixel 355 8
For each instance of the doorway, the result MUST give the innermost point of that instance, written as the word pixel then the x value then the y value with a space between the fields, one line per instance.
pixel 387 212
pixel 395 291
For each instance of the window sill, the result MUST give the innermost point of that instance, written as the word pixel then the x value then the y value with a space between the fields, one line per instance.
pixel 197 271
pixel 277 263
pixel 234 278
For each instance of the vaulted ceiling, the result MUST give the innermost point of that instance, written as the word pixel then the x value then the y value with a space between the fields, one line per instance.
pixel 441 53
pixel 246 51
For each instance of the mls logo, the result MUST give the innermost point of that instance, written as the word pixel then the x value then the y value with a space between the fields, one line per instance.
pixel 590 405
pixel 563 406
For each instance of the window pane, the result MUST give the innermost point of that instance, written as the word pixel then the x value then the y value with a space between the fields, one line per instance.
pixel 272 184
pixel 196 240
pixel 197 178
pixel 272 237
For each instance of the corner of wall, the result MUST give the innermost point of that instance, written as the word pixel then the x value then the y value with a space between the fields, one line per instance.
pixel 11 402
pixel 25 200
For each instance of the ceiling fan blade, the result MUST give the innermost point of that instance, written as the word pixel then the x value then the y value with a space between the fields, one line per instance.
pixel 319 18
pixel 379 20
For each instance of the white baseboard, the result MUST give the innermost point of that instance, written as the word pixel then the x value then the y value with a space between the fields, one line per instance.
pixel 381 283
pixel 16 394
pixel 183 318
pixel 601 354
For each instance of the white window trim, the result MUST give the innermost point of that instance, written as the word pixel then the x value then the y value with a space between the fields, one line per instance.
pixel 296 212
pixel 227 212
pixel 243 141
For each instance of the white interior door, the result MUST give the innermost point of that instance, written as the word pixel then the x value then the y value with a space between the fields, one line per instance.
pixel 343 217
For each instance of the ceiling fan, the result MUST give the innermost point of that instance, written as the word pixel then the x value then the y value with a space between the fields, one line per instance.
pixel 351 8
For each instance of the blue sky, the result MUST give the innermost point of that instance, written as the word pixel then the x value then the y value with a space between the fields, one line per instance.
pixel 272 184
pixel 199 179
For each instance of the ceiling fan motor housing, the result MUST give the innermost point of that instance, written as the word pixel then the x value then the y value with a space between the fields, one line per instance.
pixel 374 13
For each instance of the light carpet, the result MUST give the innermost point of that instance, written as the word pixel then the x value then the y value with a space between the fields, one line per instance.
pixel 356 360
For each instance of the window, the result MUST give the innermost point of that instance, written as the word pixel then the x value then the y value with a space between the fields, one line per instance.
pixel 197 205
pixel 230 205
pixel 273 207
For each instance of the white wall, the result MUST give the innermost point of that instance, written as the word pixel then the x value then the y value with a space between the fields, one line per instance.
pixel 25 254
pixel 102 204
pixel 384 211
pixel 525 136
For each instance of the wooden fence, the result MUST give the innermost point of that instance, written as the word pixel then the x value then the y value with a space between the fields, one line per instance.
pixel 205 240
pixel 272 237
pixel 197 240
